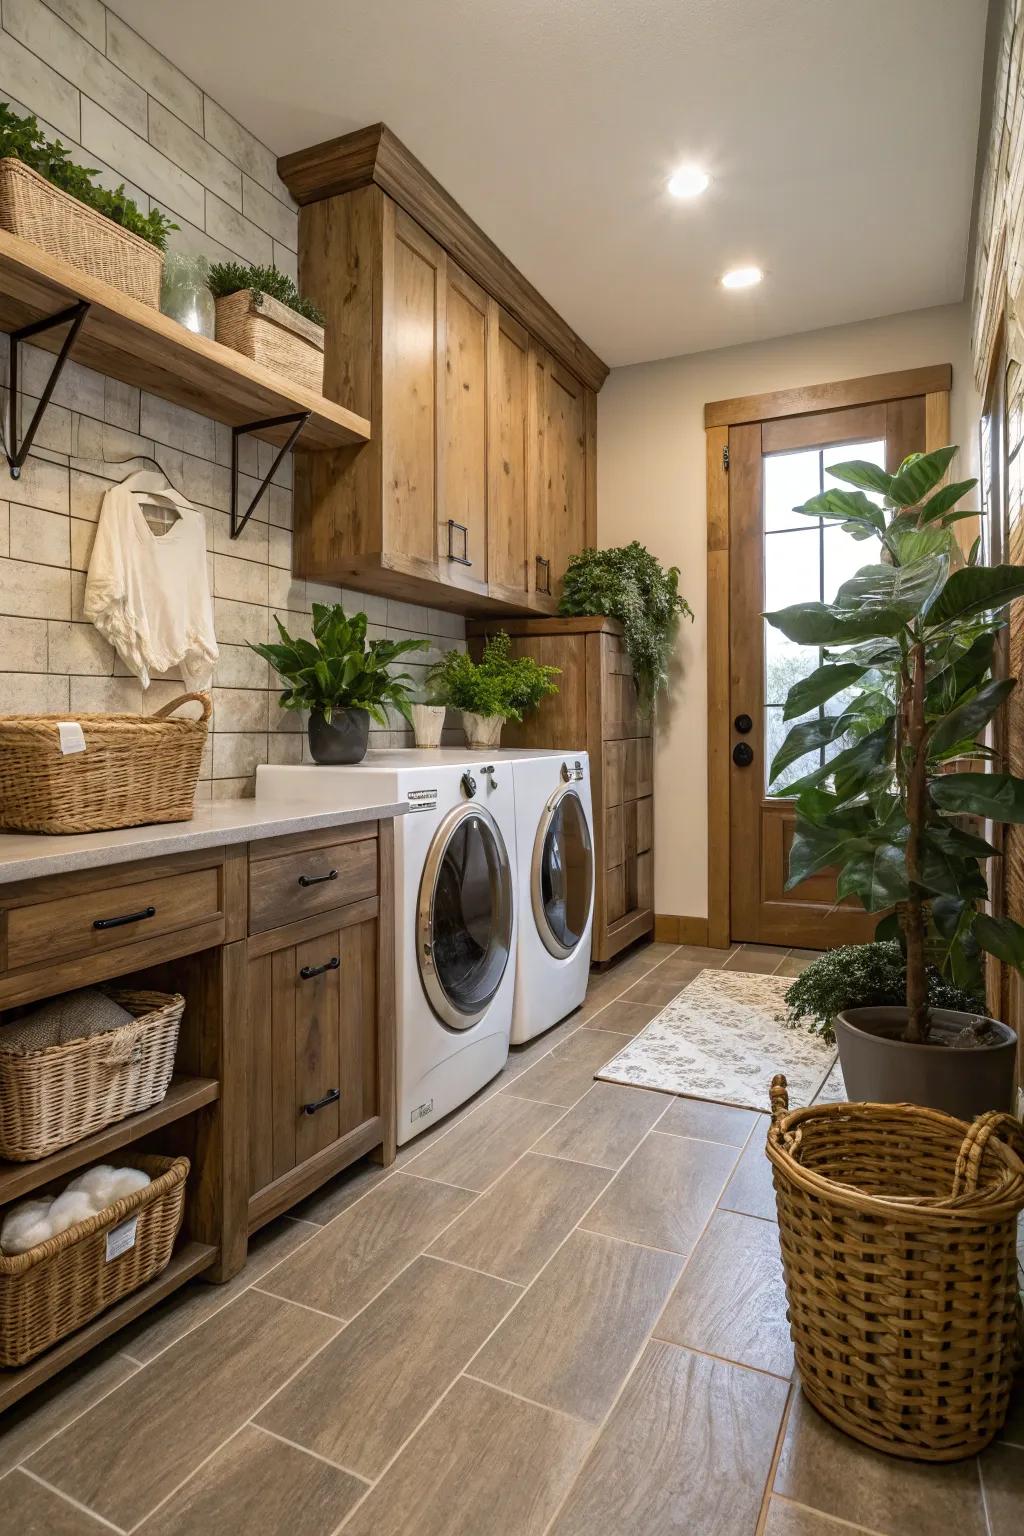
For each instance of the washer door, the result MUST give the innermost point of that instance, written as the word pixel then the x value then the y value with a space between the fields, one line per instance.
pixel 562 882
pixel 464 916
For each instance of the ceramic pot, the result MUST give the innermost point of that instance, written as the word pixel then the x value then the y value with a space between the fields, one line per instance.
pixel 428 723
pixel 482 730
pixel 341 740
pixel 881 1068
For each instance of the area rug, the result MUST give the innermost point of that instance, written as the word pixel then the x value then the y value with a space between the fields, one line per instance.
pixel 723 1038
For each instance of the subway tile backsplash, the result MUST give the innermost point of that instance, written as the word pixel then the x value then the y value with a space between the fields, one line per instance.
pixel 121 106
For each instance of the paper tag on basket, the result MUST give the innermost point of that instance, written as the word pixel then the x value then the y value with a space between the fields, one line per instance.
pixel 72 737
pixel 120 1239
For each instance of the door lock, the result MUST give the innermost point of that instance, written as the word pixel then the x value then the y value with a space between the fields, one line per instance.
pixel 743 724
pixel 742 754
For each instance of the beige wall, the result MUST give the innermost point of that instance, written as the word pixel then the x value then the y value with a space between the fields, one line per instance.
pixel 651 486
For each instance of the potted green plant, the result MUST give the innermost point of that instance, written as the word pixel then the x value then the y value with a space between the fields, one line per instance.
pixel 630 585
pixel 864 976
pixel 261 313
pixel 496 688
pixel 342 679
pixel 905 659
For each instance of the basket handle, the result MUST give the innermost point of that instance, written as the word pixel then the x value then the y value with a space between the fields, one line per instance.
pixel 779 1095
pixel 126 1045
pixel 968 1163
pixel 185 698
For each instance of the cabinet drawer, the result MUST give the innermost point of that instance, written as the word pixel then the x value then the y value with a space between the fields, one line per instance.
pixel 290 886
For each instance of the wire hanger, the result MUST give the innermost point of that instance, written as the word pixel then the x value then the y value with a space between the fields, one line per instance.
pixel 159 500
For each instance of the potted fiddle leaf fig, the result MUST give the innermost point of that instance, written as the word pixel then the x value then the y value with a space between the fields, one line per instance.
pixel 899 701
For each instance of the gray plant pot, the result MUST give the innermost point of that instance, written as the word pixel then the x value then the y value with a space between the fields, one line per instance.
pixel 883 1069
pixel 343 740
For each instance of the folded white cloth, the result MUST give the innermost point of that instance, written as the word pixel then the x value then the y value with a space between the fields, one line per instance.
pixel 32 1222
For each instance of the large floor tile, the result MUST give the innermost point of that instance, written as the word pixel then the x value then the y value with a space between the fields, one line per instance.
pixel 570 1342
pixel 727 1123
pixel 750 1190
pixel 483 1464
pixel 483 1146
pixel 347 1263
pixel 29 1509
pixel 830 1472
pixel 795 1520
pixel 516 1226
pixel 797 962
pixel 363 1395
pixel 520 1057
pixel 127 1454
pixel 1013 1430
pixel 764 958
pixel 702 954
pixel 664 1194
pixel 663 984
pixel 342 1191
pixel 624 1018
pixel 47 1410
pixel 605 1126
pixel 567 1072
pixel 1002 1476
pixel 730 1299
pixel 261 1486
pixel 686 1450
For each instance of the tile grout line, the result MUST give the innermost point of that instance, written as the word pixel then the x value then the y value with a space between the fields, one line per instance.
pixel 179 1485
pixel 273 1434
pixel 984 1498
pixel 139 1365
pixel 837 1520
pixel 776 1457
pixel 67 1499
pixel 533 1402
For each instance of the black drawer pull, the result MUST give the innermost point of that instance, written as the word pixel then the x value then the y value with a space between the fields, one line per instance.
pixel 318 879
pixel 331 1097
pixel 546 588
pixel 309 971
pixel 129 917
pixel 454 527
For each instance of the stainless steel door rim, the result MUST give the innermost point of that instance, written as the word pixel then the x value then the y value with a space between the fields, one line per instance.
pixel 554 942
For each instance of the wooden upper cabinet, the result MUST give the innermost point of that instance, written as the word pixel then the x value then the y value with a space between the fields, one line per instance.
pixel 462 524
pixel 560 497
pixel 510 568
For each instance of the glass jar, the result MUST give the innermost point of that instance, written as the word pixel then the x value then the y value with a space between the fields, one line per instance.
pixel 184 295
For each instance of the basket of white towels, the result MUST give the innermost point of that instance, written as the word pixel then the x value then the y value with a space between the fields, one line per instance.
pixel 67 1255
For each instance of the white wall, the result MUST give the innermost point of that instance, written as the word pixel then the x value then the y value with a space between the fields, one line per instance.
pixel 651 487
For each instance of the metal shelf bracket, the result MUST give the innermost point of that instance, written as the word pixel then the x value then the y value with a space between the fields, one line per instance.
pixel 17 452
pixel 296 421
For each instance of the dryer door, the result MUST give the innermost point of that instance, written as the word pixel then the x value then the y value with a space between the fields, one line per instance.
pixel 464 916
pixel 562 878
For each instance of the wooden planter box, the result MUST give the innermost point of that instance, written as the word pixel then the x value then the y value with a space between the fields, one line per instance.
pixel 272 334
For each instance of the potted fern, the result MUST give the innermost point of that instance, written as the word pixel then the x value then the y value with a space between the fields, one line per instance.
pixel 496 688
pixel 909 645
pixel 261 313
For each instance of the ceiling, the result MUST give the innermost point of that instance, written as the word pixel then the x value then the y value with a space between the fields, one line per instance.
pixel 841 136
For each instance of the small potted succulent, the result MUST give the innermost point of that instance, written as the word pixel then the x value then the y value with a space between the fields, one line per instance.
pixel 261 314
pixel 496 688
pixel 342 679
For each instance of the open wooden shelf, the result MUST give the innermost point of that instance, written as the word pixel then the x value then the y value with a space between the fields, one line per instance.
pixel 183 1097
pixel 138 345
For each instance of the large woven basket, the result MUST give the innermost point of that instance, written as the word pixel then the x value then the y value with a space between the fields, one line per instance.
pixel 272 334
pixel 60 1286
pixel 53 1097
pixel 36 210
pixel 898 1232
pixel 135 770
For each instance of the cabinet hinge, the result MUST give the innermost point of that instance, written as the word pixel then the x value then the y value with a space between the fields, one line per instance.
pixel 725 458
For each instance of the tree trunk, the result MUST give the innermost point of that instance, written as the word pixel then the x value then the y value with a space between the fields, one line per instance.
pixel 913 920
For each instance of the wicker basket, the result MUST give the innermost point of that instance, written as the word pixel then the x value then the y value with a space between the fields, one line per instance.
pixel 898 1233
pixel 135 770
pixel 53 1097
pixel 36 210
pixel 272 334
pixel 60 1286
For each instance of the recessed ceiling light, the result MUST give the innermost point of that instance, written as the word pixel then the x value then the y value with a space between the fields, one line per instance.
pixel 688 181
pixel 742 277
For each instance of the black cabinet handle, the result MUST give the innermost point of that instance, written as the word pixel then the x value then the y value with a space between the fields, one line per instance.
pixel 318 879
pixel 309 971
pixel 129 917
pixel 462 559
pixel 330 1097
pixel 546 588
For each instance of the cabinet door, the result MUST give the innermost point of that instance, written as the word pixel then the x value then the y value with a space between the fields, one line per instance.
pixel 561 498
pixel 462 526
pixel 509 557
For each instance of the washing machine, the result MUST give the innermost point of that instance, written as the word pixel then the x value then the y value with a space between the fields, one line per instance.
pixel 456 911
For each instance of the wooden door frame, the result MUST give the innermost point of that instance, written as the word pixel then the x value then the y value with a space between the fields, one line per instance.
pixel 935 384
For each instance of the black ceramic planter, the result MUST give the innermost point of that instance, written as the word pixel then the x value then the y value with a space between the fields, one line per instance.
pixel 883 1069
pixel 343 740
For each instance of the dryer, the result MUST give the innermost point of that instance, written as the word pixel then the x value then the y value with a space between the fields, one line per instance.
pixel 455 912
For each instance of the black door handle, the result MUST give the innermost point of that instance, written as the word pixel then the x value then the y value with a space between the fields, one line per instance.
pixel 331 1097
pixel 743 724
pixel 309 971
pixel 742 755
pixel 129 917
pixel 318 879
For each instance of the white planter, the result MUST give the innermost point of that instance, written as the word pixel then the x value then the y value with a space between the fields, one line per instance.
pixel 428 723
pixel 482 730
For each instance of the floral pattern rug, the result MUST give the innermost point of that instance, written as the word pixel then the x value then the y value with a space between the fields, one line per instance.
pixel 723 1038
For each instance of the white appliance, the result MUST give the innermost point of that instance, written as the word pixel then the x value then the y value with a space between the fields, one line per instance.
pixel 456 917
pixel 555 837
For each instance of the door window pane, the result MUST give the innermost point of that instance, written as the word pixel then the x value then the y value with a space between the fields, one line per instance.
pixel 790 479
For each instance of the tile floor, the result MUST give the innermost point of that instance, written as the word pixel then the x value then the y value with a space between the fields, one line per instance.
pixel 560 1312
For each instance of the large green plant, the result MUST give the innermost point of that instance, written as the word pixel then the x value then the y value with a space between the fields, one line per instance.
pixel 630 585
pixel 497 684
pixel 908 644
pixel 227 277
pixel 863 976
pixel 340 668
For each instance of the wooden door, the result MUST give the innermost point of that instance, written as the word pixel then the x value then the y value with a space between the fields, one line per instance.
pixel 510 570
pixel 462 530
pixel 560 501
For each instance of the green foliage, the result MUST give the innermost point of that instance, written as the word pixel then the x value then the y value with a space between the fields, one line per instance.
pixel 340 668
pixel 628 584
pixel 232 276
pixel 864 976
pixel 497 684
pixel 21 138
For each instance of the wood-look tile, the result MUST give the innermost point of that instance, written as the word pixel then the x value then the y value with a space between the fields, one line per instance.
pixel 483 1464
pixel 342 1191
pixel 570 1342
pixel 179 1408
pixel 516 1226
pixel 705 1121
pixel 796 1520
pixel 520 1057
pixel 797 962
pixel 687 1449
pixel 479 1149
pixel 29 1509
pixel 261 1486
pixel 662 985
pixel 830 1472
pixel 762 958
pixel 605 1126
pixel 364 1248
pixel 46 1411
pixel 664 1194
pixel 730 1299
pixel 1013 1430
pixel 363 1395
pixel 624 1018
pixel 750 1190
pixel 567 1073
pixel 702 954
pixel 1002 1477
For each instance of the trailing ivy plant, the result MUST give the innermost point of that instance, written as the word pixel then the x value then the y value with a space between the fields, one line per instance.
pixel 909 644
pixel 864 976
pixel 497 684
pixel 21 138
pixel 630 585
pixel 227 277
pixel 339 668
